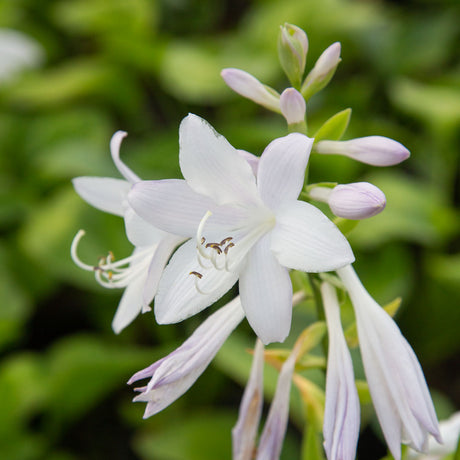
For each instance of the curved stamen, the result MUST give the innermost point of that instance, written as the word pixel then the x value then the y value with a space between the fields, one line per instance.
pixel 199 236
pixel 73 252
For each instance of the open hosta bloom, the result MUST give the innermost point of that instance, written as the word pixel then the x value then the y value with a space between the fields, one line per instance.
pixel 173 375
pixel 139 273
pixel 241 227
pixel 396 382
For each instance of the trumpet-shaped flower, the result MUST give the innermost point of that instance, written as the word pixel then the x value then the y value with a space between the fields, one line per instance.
pixel 140 273
pixel 173 375
pixel 241 227
pixel 245 431
pixel 341 416
pixel 396 382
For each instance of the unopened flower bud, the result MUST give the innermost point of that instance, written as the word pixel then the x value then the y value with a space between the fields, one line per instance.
pixel 356 201
pixel 248 86
pixel 323 71
pixel 292 52
pixel 292 106
pixel 373 150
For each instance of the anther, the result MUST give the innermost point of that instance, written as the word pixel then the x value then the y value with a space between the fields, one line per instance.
pixel 198 275
pixel 203 240
pixel 229 245
pixel 226 240
pixel 215 246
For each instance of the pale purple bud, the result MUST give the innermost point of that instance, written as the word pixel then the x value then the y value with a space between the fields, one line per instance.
pixel 248 86
pixel 372 150
pixel 292 106
pixel 323 70
pixel 174 374
pixel 356 201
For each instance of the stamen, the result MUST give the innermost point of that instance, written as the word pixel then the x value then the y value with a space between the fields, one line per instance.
pixel 215 246
pixel 203 240
pixel 73 252
pixel 229 245
pixel 199 237
pixel 198 275
pixel 226 240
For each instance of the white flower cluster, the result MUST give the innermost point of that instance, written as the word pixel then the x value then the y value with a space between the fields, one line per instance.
pixel 238 217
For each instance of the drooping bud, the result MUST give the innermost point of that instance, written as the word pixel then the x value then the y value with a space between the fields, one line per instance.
pixel 323 71
pixel 292 52
pixel 293 108
pixel 357 201
pixel 248 86
pixel 373 150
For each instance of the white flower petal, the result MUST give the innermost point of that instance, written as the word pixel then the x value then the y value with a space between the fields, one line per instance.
pixel 281 169
pixel 162 253
pixel 266 293
pixel 341 416
pixel 245 431
pixel 104 193
pixel 305 239
pixel 115 144
pixel 178 297
pixel 212 166
pixel 130 304
pixel 140 232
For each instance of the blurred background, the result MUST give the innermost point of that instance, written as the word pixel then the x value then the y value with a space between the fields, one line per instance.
pixel 96 66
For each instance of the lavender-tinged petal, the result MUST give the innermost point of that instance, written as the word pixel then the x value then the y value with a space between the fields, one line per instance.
pixel 252 159
pixel 305 239
pixel 173 375
pixel 281 169
pixel 104 193
pixel 341 417
pixel 271 440
pixel 396 381
pixel 245 431
pixel 213 167
pixel 266 293
pixel 115 144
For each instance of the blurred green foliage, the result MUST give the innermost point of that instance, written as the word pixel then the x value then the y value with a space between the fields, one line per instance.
pixel 141 66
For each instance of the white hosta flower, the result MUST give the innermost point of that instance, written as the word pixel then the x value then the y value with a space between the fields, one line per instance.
pixel 373 150
pixel 450 432
pixel 18 52
pixel 139 273
pixel 341 416
pixel 292 106
pixel 249 87
pixel 245 431
pixel 254 230
pixel 396 382
pixel 358 200
pixel 173 375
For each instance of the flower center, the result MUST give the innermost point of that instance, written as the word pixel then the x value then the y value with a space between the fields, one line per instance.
pixel 109 272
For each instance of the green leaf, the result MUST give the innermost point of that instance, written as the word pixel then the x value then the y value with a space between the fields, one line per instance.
pixel 334 128
pixel 199 436
pixel 312 447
